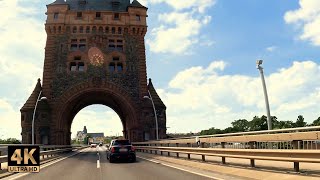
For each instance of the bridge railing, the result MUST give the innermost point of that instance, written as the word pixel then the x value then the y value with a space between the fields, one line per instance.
pixel 293 138
pixel 46 151
pixel 295 156
pixel 290 145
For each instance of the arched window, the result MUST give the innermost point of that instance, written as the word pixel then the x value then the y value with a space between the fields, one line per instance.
pixel 100 29
pixel 88 29
pixel 54 29
pixel 94 29
pixel 107 30
pixel 119 67
pixel 119 30
pixel 68 29
pixel 113 30
pixel 134 30
pixel 59 29
pixel 74 30
pixel 112 67
pixel 81 29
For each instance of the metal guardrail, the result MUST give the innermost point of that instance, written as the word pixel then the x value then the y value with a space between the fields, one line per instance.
pixel 306 138
pixel 295 156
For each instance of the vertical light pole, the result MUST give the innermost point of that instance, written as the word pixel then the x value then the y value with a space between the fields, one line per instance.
pixel 155 113
pixel 34 113
pixel 259 62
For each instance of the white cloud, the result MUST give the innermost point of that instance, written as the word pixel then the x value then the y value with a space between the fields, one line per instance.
pixel 22 38
pixel 307 17
pixel 199 97
pixel 180 28
pixel 271 48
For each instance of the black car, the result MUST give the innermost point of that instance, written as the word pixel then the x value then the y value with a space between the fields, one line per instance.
pixel 121 150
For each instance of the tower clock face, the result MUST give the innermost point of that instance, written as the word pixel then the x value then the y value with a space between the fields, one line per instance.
pixel 95 56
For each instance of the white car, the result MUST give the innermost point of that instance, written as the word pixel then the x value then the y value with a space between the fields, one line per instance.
pixel 93 145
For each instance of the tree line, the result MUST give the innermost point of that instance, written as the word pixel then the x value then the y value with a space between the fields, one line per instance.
pixel 10 141
pixel 258 124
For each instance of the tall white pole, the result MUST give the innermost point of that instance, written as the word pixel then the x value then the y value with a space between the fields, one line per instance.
pixel 265 97
pixel 34 113
pixel 155 116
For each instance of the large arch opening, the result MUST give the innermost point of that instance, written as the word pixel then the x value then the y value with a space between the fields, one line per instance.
pixel 81 97
pixel 98 122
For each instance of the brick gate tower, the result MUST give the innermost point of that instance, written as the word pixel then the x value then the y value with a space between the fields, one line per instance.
pixel 94 54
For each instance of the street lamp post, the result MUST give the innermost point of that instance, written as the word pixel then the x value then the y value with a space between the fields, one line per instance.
pixel 34 113
pixel 155 113
pixel 259 62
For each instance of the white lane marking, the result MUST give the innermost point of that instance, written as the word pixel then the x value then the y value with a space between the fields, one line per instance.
pixel 98 164
pixel 43 166
pixel 200 174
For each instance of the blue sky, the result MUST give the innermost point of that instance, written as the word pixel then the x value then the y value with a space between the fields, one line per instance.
pixel 200 54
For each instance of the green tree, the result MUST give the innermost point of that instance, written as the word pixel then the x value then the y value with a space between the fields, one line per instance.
pixel 211 131
pixel 10 141
pixel 258 124
pixel 300 122
pixel 316 122
pixel 240 125
pixel 86 139
pixel 284 124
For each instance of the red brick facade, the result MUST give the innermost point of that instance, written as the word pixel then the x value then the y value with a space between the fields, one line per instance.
pixel 94 56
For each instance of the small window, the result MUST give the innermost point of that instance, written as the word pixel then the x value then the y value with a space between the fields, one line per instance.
pixel 113 30
pixel 74 47
pixel 116 16
pixel 94 29
pixel 82 2
pixel 68 29
pixel 55 15
pixel 73 66
pixel 100 29
pixel 111 40
pixel 116 58
pixel 119 67
pixel 81 29
pixel 119 47
pixel 119 41
pixel 119 30
pixel 82 40
pixel 79 14
pixel 81 66
pixel 82 47
pixel 112 67
pixel 112 47
pixel 74 40
pixel 98 15
pixel 134 30
pixel 88 29
pixel 138 17
pixel 74 30
pixel 107 29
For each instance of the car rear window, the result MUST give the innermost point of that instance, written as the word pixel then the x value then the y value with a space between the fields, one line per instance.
pixel 121 142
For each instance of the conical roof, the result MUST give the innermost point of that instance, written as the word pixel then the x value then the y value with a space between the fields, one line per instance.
pixel 136 3
pixel 155 97
pixel 31 102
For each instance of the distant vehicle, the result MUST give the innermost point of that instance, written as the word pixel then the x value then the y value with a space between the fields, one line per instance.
pixel 93 145
pixel 121 150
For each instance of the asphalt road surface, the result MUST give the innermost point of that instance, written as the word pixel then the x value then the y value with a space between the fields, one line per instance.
pixel 92 164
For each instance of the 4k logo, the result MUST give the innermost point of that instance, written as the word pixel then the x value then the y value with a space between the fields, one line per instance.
pixel 23 158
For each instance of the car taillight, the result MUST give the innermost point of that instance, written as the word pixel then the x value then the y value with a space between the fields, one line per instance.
pixel 132 148
pixel 112 150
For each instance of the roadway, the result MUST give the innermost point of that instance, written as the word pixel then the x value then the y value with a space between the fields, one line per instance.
pixel 92 164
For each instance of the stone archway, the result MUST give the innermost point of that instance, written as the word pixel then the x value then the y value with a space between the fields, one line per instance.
pixel 86 94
